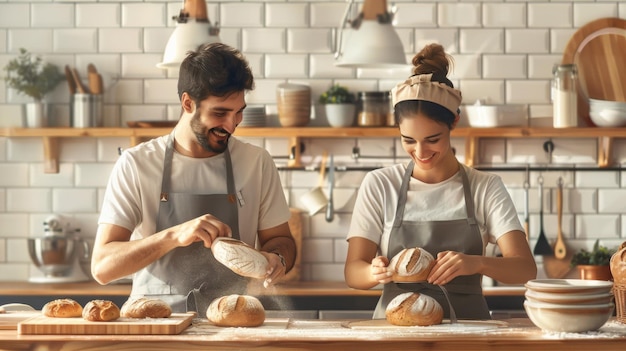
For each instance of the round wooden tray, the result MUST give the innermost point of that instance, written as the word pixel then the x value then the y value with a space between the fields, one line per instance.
pixel 598 49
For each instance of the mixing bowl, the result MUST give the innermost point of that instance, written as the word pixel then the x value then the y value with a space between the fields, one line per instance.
pixel 85 247
pixel 568 318
pixel 569 286
pixel 53 255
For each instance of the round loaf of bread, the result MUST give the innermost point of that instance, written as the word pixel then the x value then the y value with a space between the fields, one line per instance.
pixel 236 311
pixel 101 311
pixel 62 308
pixel 411 265
pixel 411 309
pixel 143 307
pixel 618 265
pixel 240 257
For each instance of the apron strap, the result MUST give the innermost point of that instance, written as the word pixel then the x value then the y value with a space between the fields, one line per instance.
pixel 404 188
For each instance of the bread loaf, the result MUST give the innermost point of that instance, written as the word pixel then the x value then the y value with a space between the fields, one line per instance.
pixel 411 309
pixel 618 265
pixel 143 307
pixel 62 308
pixel 411 265
pixel 101 311
pixel 236 311
pixel 240 257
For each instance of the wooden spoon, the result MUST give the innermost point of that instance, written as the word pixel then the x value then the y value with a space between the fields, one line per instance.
pixel 560 251
pixel 71 83
pixel 80 87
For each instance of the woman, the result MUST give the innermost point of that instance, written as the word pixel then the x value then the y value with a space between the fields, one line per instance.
pixel 435 203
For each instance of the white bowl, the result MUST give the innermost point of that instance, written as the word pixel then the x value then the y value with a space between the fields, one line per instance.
pixel 487 116
pixel 565 299
pixel 570 286
pixel 605 113
pixel 568 318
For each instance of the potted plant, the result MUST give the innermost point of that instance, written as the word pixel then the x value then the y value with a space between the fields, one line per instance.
pixel 339 106
pixel 593 264
pixel 30 76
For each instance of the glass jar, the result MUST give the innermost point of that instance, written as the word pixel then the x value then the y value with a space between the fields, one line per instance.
pixel 372 108
pixel 564 96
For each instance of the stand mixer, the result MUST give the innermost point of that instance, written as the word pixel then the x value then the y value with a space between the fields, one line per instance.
pixel 54 254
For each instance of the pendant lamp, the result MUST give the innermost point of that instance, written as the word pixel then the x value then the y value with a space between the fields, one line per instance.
pixel 370 41
pixel 193 29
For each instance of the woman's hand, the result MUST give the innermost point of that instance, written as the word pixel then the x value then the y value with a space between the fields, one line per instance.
pixel 380 270
pixel 451 264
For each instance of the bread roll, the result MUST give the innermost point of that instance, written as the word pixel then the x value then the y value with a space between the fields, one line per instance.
pixel 143 307
pixel 101 311
pixel 240 257
pixel 62 308
pixel 410 309
pixel 618 265
pixel 411 265
pixel 236 311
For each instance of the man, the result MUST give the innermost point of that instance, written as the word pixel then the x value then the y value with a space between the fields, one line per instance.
pixel 169 198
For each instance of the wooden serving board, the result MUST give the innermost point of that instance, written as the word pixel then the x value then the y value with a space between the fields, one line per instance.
pixel 598 49
pixel 41 325
pixel 10 319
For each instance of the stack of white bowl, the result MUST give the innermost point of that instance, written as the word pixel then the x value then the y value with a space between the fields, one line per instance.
pixel 569 305
pixel 606 113
pixel 254 116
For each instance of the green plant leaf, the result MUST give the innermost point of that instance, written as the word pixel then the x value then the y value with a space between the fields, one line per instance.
pixel 30 76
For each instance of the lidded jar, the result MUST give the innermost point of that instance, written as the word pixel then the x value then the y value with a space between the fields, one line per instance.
pixel 564 95
pixel 373 108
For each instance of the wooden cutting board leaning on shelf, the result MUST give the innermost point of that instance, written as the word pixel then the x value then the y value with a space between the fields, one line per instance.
pixel 598 49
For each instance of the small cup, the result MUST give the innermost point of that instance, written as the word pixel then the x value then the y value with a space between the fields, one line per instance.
pixel 86 110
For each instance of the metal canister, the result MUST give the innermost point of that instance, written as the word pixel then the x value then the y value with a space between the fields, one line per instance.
pixel 373 108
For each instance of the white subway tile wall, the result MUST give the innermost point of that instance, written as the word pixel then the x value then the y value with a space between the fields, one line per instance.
pixel 504 52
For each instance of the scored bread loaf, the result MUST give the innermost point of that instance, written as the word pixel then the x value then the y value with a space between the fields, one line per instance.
pixel 143 307
pixel 239 257
pixel 101 311
pixel 236 311
pixel 62 308
pixel 618 265
pixel 412 309
pixel 411 265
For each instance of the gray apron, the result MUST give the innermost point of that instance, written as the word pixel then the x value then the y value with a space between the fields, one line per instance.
pixel 189 278
pixel 461 235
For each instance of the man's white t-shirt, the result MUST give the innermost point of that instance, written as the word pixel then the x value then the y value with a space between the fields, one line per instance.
pixel 377 200
pixel 131 199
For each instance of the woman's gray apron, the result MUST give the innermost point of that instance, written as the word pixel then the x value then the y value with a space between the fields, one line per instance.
pixel 189 278
pixel 461 235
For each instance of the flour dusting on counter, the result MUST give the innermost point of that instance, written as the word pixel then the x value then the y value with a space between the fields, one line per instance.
pixel 611 329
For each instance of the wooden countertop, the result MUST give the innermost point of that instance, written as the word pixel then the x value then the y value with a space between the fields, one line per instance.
pixel 511 335
pixel 304 288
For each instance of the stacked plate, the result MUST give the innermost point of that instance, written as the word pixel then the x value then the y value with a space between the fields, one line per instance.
pixel 569 305
pixel 254 117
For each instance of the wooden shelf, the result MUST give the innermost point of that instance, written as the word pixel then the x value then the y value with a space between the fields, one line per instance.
pixel 472 136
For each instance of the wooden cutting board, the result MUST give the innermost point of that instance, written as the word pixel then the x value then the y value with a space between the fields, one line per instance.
pixel 10 319
pixel 598 49
pixel 175 324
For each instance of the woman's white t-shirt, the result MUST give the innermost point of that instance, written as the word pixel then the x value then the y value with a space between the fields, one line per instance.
pixel 377 200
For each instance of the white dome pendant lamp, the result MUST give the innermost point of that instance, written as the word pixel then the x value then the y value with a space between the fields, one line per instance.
pixel 371 40
pixel 193 29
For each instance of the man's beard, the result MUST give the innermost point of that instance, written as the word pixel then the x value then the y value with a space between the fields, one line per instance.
pixel 202 135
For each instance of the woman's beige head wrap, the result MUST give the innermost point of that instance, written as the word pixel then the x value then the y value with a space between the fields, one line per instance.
pixel 420 87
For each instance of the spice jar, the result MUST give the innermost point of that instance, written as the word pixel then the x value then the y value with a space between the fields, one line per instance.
pixel 564 96
pixel 372 108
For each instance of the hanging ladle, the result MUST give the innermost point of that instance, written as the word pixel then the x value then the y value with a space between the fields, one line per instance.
pixel 560 251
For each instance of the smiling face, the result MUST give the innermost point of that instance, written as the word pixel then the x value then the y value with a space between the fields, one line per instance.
pixel 428 143
pixel 215 120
